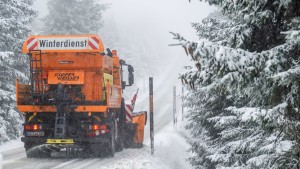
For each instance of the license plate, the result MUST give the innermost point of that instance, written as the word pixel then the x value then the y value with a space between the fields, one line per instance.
pixel 35 133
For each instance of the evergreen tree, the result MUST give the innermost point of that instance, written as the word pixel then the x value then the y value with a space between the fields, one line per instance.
pixel 15 15
pixel 74 17
pixel 244 102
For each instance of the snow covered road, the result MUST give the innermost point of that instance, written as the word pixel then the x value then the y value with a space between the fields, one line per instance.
pixel 170 153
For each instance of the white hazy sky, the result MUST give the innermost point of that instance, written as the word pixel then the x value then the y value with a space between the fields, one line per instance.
pixel 158 15
pixel 154 15
pixel 150 21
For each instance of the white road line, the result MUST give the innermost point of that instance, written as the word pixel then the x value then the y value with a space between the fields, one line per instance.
pixel 85 164
pixel 4 162
pixel 65 164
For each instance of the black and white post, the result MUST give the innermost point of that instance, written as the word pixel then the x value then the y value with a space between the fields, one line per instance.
pixel 151 114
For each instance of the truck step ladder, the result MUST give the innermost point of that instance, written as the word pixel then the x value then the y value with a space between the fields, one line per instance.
pixel 36 73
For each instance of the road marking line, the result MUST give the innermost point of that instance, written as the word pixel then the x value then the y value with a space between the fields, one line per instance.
pixel 86 163
pixel 65 163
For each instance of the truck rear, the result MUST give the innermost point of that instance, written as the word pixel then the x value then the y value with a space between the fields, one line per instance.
pixel 74 99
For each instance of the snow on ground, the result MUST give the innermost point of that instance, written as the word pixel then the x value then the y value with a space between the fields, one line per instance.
pixel 11 145
pixel 14 144
pixel 170 153
pixel 170 148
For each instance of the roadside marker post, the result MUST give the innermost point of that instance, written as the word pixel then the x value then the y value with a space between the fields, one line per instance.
pixel 151 114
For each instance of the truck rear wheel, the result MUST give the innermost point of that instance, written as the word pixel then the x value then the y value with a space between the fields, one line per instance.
pixel 119 144
pixel 111 145
pixel 92 150
pixel 121 127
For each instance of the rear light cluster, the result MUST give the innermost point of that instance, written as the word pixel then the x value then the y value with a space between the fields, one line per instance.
pixel 33 127
pixel 97 127
pixel 96 130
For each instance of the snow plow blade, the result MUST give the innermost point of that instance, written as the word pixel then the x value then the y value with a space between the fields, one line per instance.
pixel 139 120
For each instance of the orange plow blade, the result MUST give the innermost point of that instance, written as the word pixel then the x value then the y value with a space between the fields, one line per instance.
pixel 139 120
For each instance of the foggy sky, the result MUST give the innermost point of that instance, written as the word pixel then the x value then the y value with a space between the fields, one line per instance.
pixel 158 16
pixel 151 21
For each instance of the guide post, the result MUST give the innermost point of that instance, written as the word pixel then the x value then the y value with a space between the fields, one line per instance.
pixel 151 113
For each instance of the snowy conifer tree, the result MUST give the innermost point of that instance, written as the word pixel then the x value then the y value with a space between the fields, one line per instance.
pixel 74 17
pixel 15 15
pixel 244 102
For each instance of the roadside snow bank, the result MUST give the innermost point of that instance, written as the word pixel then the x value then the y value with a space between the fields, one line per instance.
pixel 170 152
pixel 11 145
pixel 172 148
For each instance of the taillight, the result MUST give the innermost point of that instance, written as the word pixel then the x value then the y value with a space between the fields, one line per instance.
pixel 33 127
pixel 95 127
pixel 97 130
pixel 98 127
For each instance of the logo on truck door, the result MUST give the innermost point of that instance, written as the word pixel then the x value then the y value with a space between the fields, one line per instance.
pixel 66 77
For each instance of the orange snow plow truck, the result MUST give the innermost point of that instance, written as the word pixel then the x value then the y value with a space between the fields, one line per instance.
pixel 74 100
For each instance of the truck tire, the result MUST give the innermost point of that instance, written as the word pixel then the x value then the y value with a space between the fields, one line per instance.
pixel 92 150
pixel 121 127
pixel 120 138
pixel 119 142
pixel 111 145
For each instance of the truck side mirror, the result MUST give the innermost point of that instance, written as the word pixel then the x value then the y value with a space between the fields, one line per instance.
pixel 130 69
pixel 130 76
pixel 130 79
pixel 123 85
